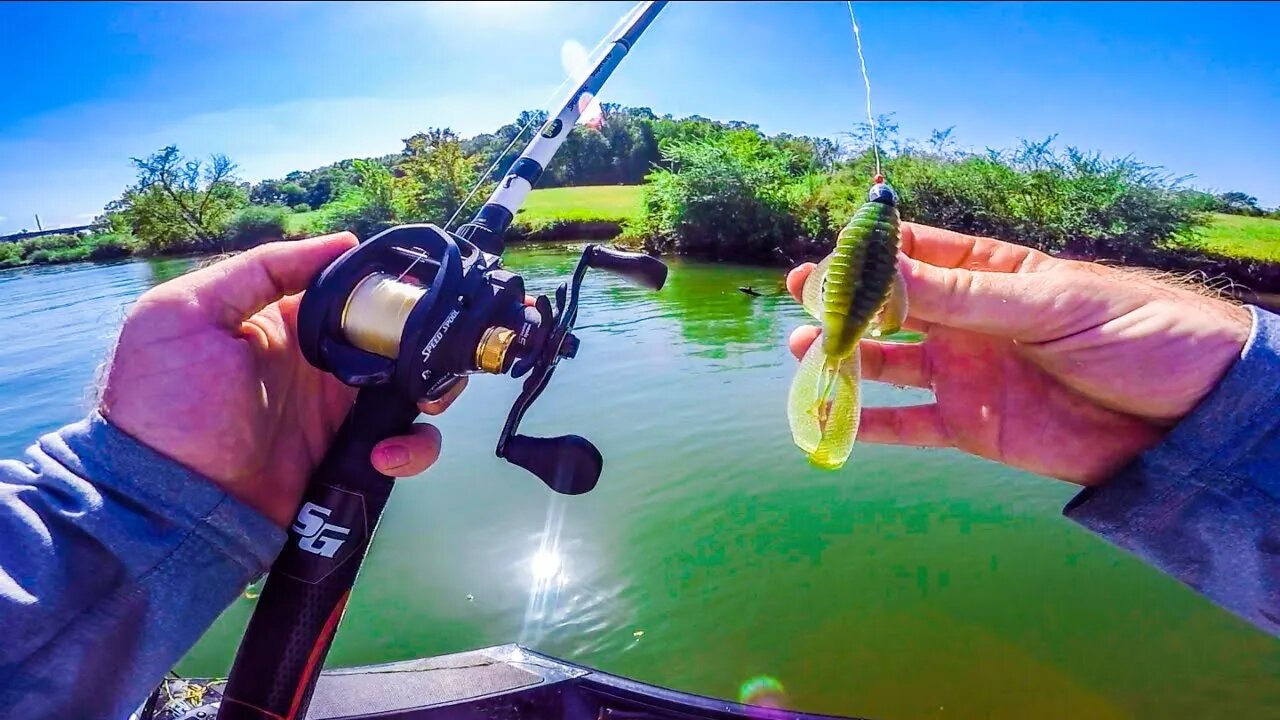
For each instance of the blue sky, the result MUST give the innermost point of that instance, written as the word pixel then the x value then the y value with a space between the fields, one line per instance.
pixel 1193 87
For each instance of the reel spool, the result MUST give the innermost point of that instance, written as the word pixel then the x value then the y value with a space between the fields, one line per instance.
pixel 417 308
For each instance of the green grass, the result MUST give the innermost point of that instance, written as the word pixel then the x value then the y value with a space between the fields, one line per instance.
pixel 1241 236
pixel 302 224
pixel 558 206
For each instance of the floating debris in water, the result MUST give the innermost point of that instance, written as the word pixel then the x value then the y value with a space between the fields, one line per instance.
pixel 471 598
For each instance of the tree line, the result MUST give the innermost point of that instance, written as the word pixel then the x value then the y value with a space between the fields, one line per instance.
pixel 721 188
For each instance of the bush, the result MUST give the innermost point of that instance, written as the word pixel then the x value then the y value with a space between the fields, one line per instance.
pixel 109 246
pixel 737 196
pixel 1071 201
pixel 10 254
pixel 365 210
pixel 52 243
pixel 301 208
pixel 66 248
pixel 729 196
pixel 1199 201
pixel 257 224
pixel 354 211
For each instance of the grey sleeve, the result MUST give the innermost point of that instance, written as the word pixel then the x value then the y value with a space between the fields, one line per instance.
pixel 1204 505
pixel 113 561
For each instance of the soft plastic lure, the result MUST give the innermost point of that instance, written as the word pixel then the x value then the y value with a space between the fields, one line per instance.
pixel 854 291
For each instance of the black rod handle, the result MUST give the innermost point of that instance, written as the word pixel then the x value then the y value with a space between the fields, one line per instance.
pixel 293 625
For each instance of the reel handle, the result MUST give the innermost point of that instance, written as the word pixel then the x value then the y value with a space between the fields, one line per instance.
pixel 306 593
pixel 643 270
pixel 568 464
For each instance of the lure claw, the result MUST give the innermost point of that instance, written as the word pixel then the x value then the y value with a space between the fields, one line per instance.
pixel 855 291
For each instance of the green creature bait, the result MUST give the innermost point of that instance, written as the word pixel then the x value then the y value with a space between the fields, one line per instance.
pixel 855 291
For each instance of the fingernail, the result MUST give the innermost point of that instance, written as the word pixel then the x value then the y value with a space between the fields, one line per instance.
pixel 393 456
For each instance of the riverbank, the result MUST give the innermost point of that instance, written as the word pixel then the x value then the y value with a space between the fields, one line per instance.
pixel 580 213
pixel 1243 250
pixel 1235 250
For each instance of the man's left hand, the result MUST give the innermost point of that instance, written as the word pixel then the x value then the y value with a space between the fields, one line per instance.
pixel 208 372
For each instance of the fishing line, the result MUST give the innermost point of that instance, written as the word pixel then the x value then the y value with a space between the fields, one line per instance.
pixel 498 159
pixel 571 76
pixel 866 80
pixel 485 176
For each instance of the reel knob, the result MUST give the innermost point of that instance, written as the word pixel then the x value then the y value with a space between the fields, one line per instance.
pixel 643 270
pixel 568 464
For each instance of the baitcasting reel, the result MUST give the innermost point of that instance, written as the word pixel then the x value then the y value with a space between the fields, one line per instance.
pixel 417 308
pixel 403 316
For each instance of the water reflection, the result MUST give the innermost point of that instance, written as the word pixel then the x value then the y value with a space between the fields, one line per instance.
pixel 546 573
pixel 547 568
pixel 914 580
pixel 161 270
pixel 714 317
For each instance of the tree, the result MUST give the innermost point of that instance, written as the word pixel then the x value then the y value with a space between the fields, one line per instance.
pixel 114 218
pixel 1240 203
pixel 367 207
pixel 435 175
pixel 180 203
pixel 277 192
pixel 942 144
pixel 325 185
pixel 886 135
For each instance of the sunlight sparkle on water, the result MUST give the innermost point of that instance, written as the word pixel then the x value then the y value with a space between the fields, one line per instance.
pixel 545 565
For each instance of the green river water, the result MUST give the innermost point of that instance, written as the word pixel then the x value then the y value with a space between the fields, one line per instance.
pixel 912 584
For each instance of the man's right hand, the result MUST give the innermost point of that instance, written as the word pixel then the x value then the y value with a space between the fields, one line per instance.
pixel 1064 368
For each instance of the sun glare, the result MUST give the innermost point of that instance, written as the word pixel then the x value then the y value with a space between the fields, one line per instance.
pixel 545 566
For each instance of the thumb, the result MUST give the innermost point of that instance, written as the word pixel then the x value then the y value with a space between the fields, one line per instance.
pixel 996 303
pixel 234 289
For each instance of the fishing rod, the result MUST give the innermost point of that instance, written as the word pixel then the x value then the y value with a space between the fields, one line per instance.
pixel 403 316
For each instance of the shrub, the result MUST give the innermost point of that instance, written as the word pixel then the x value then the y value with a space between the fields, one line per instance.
pixel 735 195
pixel 301 208
pixel 10 254
pixel 66 248
pixel 365 210
pixel 1068 201
pixel 109 246
pixel 354 211
pixel 52 243
pixel 1199 201
pixel 728 196
pixel 257 224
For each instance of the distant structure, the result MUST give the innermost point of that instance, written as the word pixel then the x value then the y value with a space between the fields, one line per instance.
pixel 41 233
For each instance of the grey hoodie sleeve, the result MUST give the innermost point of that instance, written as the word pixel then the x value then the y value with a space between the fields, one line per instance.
pixel 113 561
pixel 1204 505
